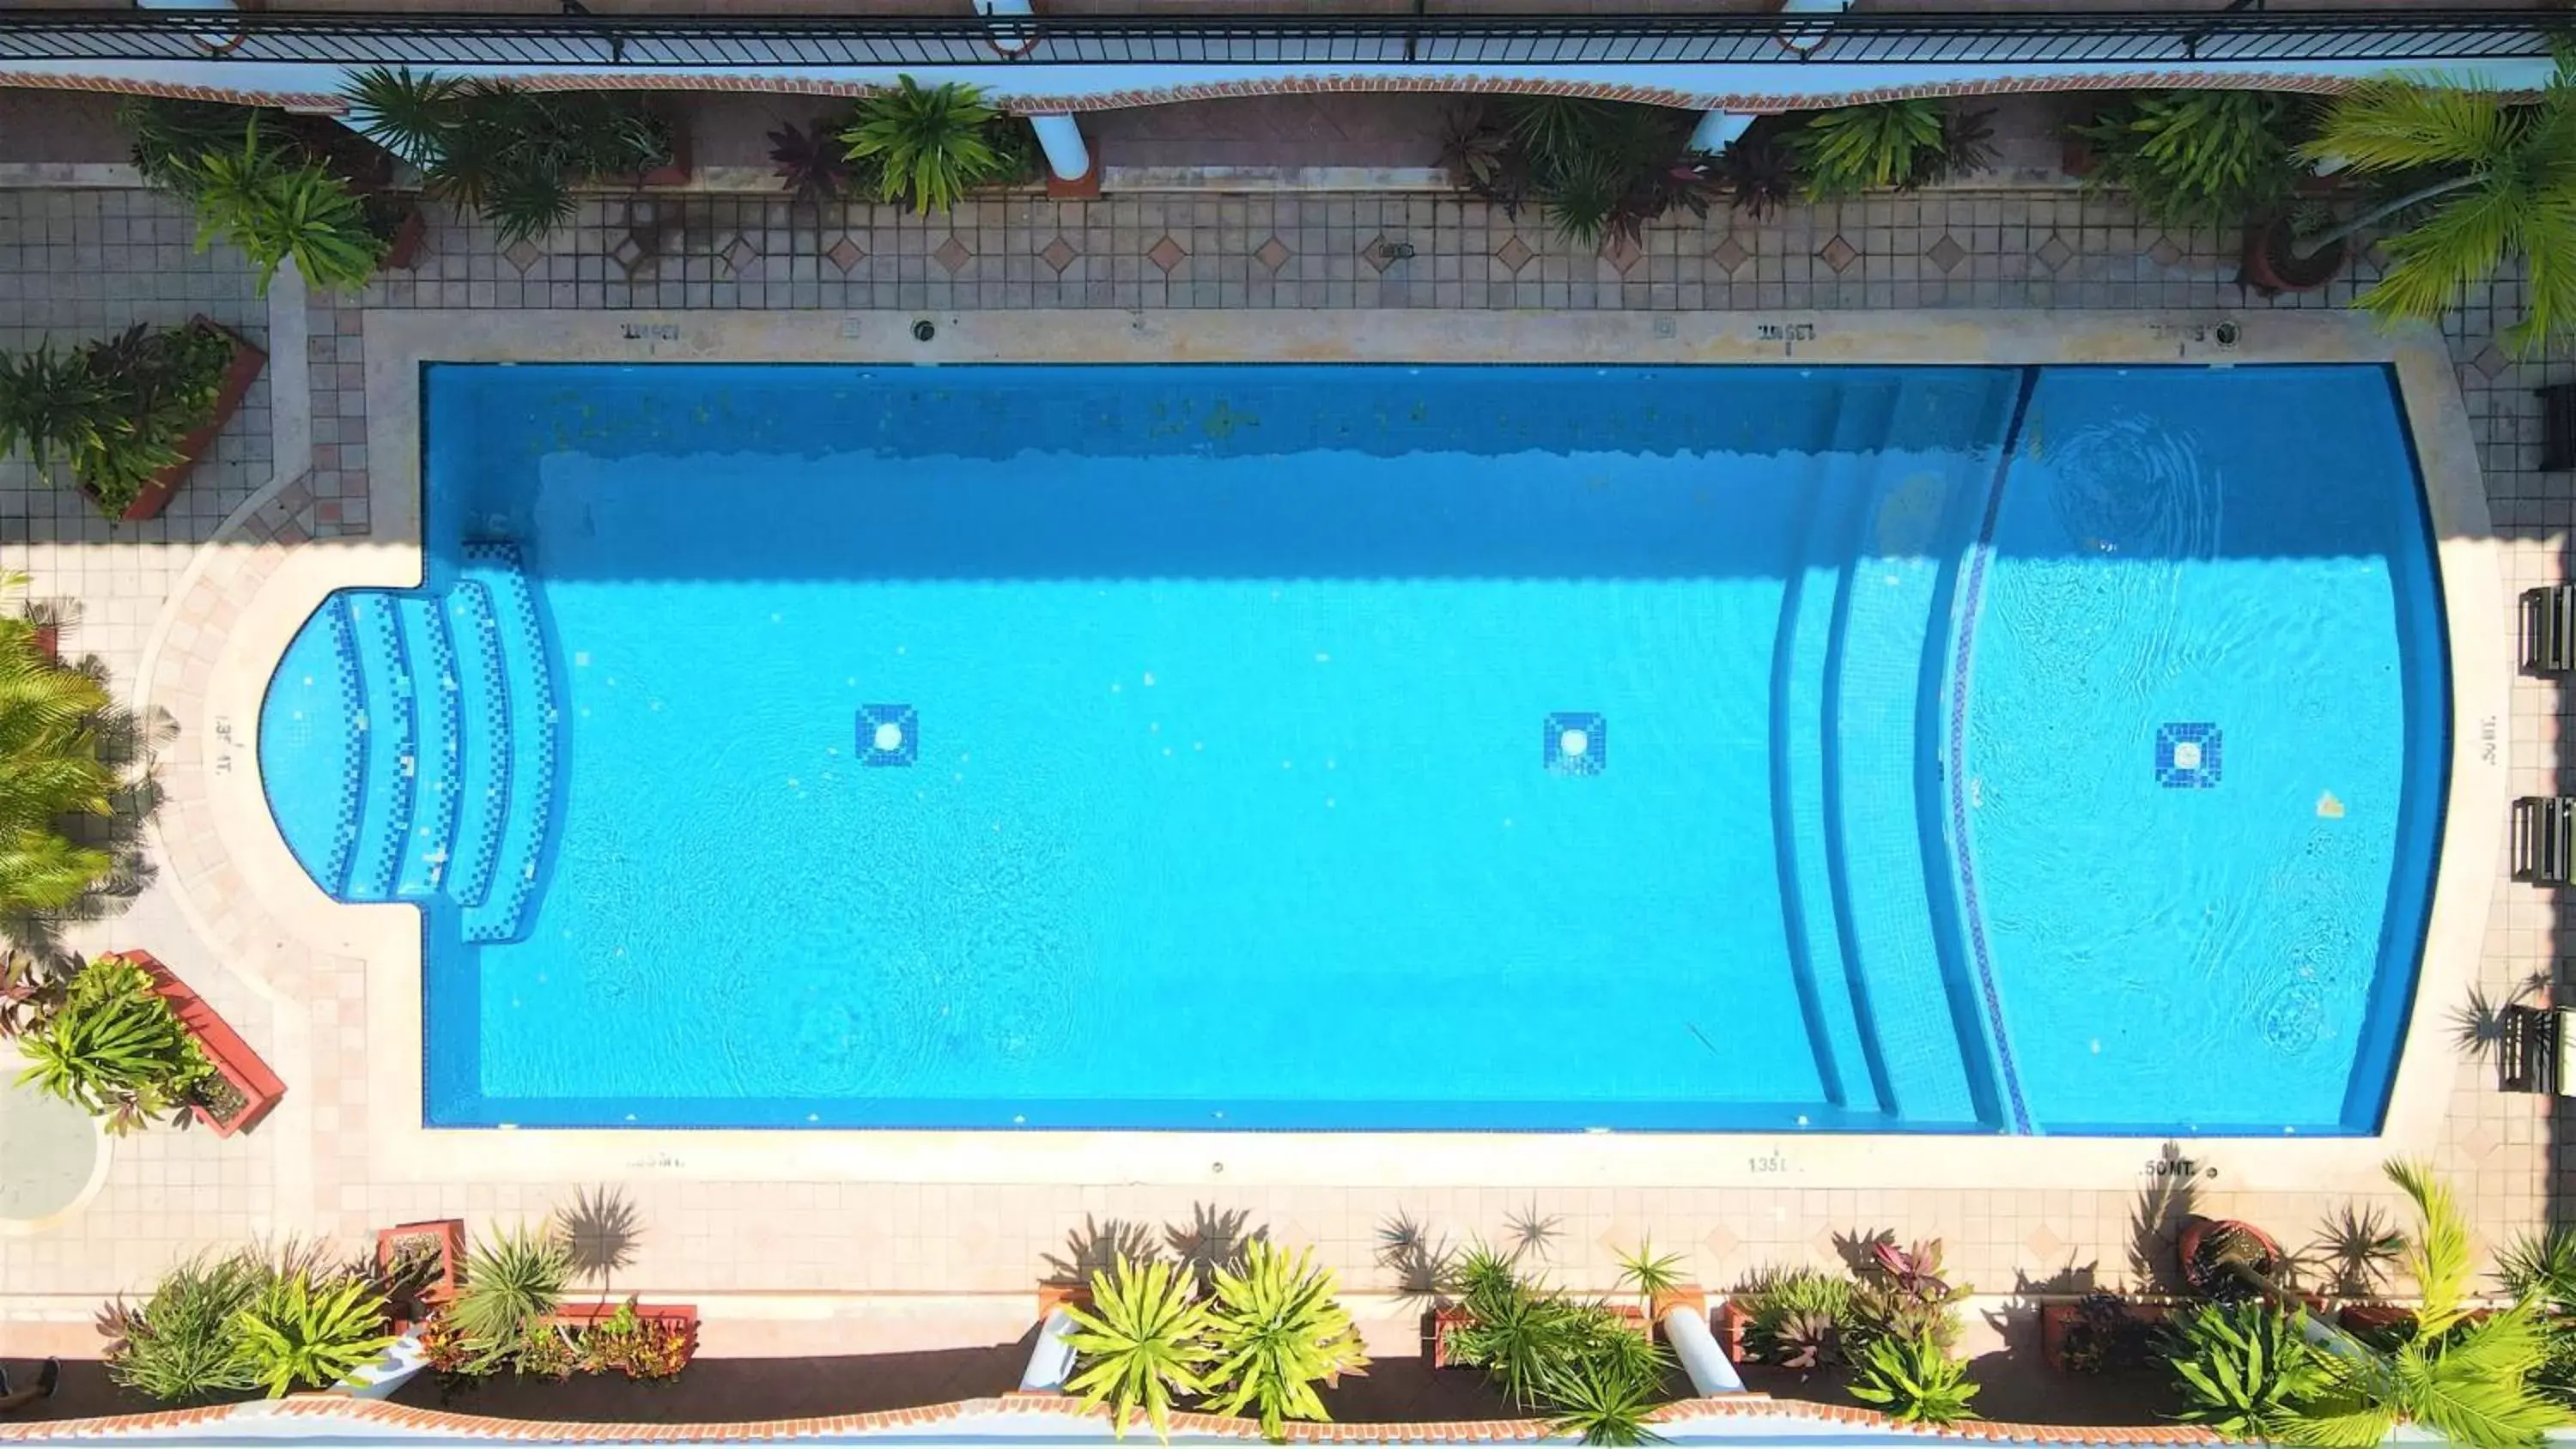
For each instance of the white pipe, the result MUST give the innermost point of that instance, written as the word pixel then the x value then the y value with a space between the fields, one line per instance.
pixel 1711 1373
pixel 1051 1360
pixel 1718 130
pixel 379 1377
pixel 1061 139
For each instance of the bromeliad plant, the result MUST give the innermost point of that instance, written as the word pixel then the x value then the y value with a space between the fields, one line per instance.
pixel 927 146
pixel 1898 145
pixel 1800 1317
pixel 114 1049
pixel 308 1332
pixel 1141 1343
pixel 274 209
pixel 1601 171
pixel 2240 1366
pixel 1915 1380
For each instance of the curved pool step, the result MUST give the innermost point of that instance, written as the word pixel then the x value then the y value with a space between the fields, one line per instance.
pixel 483 770
pixel 384 816
pixel 1800 771
pixel 528 684
pixel 438 730
pixel 1918 514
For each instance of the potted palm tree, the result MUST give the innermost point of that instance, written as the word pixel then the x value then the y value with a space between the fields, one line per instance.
pixel 2503 180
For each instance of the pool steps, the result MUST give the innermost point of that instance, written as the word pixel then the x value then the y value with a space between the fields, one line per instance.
pixel 1917 520
pixel 449 775
pixel 1800 766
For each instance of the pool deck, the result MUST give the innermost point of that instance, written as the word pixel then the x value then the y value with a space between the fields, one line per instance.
pixel 924 1239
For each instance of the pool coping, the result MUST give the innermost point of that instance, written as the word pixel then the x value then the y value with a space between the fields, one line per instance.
pixel 264 894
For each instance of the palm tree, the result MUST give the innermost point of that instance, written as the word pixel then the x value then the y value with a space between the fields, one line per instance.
pixel 49 769
pixel 2469 1383
pixel 2505 184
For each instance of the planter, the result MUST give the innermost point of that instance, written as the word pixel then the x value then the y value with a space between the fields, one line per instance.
pixel 1444 1322
pixel 676 170
pixel 448 1236
pixel 1052 1296
pixel 1732 1321
pixel 2373 1317
pixel 2207 1277
pixel 49 643
pixel 2056 1320
pixel 2271 265
pixel 683 1317
pixel 244 369
pixel 254 1088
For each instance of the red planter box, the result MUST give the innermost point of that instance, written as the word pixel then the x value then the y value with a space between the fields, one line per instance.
pixel 250 1076
pixel 246 363
pixel 450 1233
pixel 410 239
pixel 583 1315
pixel 1444 1322
pixel 2056 1318
pixel 1731 1323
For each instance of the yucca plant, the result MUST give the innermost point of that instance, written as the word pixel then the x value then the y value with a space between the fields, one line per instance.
pixel 1142 1341
pixel 311 1333
pixel 2201 158
pixel 273 209
pixel 514 1277
pixel 1648 1272
pixel 184 1345
pixel 2504 186
pixel 930 144
pixel 1518 1337
pixel 1275 1331
pixel 2470 1383
pixel 114 1048
pixel 1602 1401
pixel 2238 1366
pixel 1915 1380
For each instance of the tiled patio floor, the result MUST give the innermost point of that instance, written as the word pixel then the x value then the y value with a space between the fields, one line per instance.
pixel 73 262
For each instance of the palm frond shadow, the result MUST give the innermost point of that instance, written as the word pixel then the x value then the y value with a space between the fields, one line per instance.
pixel 1097 1246
pixel 600 1228
pixel 1425 1269
pixel 128 744
pixel 1212 1240
pixel 1859 1251
pixel 2477 1025
pixel 1532 1234
pixel 2155 1223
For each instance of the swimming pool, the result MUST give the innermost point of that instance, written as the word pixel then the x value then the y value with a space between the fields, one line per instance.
pixel 1930 749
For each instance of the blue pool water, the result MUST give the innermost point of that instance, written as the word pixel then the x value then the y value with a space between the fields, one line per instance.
pixel 1849 749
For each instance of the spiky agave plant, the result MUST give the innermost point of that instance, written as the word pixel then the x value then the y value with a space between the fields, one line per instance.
pixel 1142 1341
pixel 513 1278
pixel 930 143
pixel 274 209
pixel 1603 1400
pixel 2239 1366
pixel 1915 1380
pixel 1871 147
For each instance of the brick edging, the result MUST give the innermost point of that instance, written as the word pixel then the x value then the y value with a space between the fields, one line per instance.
pixel 1463 84
pixel 441 1421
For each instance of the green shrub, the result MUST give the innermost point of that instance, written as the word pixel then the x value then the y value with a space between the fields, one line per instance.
pixel 273 209
pixel 1915 1380
pixel 513 1278
pixel 1898 145
pixel 511 155
pixel 183 1345
pixel 113 412
pixel 114 1048
pixel 1274 1331
pixel 304 1331
pixel 2238 1366
pixel 1799 1316
pixel 1598 170
pixel 50 771
pixel 2195 159
pixel 930 145
pixel 1592 1370
pixel 1142 1341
